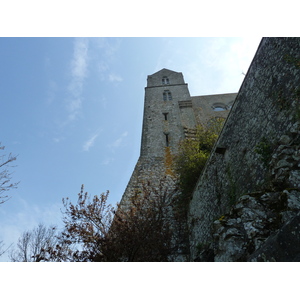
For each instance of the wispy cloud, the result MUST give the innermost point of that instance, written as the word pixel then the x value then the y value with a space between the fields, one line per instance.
pixel 26 217
pixel 106 53
pixel 79 70
pixel 117 143
pixel 107 161
pixel 219 65
pixel 90 142
pixel 115 78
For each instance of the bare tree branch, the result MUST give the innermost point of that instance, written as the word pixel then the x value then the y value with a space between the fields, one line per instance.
pixel 5 175
pixel 32 244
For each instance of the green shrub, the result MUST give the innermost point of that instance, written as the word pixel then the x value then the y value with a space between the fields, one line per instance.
pixel 264 150
pixel 193 154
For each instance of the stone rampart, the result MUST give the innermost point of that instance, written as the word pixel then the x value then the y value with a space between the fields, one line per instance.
pixel 266 109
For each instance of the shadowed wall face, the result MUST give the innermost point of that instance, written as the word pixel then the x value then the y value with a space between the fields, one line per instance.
pixel 266 109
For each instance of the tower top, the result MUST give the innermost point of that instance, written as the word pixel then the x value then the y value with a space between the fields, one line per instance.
pixel 165 77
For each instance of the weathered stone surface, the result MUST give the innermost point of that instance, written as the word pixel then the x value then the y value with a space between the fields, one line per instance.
pixel 261 138
pixel 293 199
pixel 294 178
pixel 283 246
pixel 245 205
pixel 170 115
pixel 250 223
pixel 284 139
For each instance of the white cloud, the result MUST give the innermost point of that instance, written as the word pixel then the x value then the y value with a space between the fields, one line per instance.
pixel 219 65
pixel 236 60
pixel 109 47
pixel 117 143
pixel 79 71
pixel 113 78
pixel 90 142
pixel 105 54
pixel 79 62
pixel 107 161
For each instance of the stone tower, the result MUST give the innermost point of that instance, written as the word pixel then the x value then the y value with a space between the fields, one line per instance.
pixel 162 125
pixel 170 115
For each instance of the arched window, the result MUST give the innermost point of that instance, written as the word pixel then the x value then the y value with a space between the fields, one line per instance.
pixel 219 107
pixel 167 95
pixel 165 80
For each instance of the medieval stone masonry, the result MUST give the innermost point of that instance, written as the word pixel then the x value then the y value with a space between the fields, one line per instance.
pixel 170 115
pixel 246 204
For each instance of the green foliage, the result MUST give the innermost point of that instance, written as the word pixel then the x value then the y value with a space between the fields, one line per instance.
pixel 264 149
pixel 193 154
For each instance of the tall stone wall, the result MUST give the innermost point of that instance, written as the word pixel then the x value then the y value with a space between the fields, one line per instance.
pixel 172 117
pixel 266 109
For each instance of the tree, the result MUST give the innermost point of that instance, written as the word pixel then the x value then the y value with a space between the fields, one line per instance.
pixel 32 244
pixel 193 154
pixel 2 249
pixel 5 175
pixel 145 229
pixel 96 231
pixel 5 184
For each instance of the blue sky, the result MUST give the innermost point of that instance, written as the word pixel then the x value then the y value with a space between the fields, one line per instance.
pixel 71 109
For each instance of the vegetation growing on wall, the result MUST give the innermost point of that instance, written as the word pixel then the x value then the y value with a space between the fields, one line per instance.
pixel 193 154
pixel 264 149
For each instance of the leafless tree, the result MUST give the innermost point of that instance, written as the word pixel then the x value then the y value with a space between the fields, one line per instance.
pixel 5 175
pixel 33 243
pixel 5 184
pixel 2 249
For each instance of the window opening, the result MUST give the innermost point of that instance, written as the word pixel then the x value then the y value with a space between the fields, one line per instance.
pixel 166 116
pixel 167 95
pixel 219 108
pixel 221 150
pixel 165 80
pixel 167 139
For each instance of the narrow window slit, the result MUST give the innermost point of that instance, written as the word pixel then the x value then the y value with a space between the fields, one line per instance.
pixel 167 139
pixel 220 150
